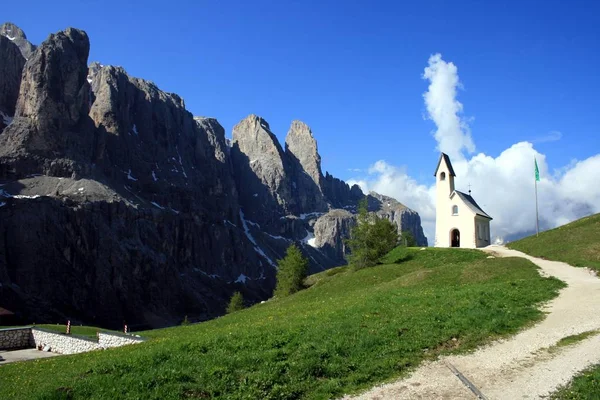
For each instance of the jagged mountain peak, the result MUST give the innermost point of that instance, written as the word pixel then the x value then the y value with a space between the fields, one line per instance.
pixel 15 34
pixel 12 31
pixel 256 124
pixel 184 217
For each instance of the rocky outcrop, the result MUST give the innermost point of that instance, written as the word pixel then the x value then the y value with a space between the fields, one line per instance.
pixel 339 193
pixel 330 230
pixel 11 68
pixel 261 171
pixel 305 161
pixel 17 36
pixel 403 217
pixel 51 132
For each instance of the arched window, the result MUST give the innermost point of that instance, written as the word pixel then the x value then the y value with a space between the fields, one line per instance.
pixel 442 176
pixel 454 210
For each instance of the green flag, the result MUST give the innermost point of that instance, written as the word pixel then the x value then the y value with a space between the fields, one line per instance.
pixel 537 171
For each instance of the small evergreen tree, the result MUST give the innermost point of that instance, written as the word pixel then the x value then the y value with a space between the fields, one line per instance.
pixel 408 239
pixel 236 303
pixel 370 239
pixel 292 271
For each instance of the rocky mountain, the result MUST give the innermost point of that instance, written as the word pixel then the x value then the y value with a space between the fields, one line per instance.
pixel 17 36
pixel 117 204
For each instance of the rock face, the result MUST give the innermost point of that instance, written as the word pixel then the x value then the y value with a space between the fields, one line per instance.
pixel 118 205
pixel 305 161
pixel 11 67
pixel 261 170
pixel 17 36
pixel 403 217
pixel 330 231
pixel 51 131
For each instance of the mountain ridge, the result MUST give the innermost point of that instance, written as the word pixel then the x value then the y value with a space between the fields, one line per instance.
pixel 144 212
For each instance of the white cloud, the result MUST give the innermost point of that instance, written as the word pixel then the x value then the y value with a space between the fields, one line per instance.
pixel 453 134
pixel 503 185
pixel 552 136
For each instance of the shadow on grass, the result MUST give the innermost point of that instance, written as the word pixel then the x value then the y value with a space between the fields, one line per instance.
pixel 406 257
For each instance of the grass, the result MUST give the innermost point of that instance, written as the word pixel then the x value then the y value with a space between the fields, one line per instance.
pixel 348 331
pixel 586 386
pixel 570 340
pixel 577 243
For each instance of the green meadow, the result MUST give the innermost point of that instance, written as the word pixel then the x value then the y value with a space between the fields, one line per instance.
pixel 347 331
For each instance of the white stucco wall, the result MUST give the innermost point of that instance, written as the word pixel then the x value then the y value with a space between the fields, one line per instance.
pixel 465 221
pixel 443 206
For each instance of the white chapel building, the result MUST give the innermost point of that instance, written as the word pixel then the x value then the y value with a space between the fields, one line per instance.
pixel 459 221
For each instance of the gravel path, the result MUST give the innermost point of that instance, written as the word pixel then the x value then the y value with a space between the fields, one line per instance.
pixel 519 367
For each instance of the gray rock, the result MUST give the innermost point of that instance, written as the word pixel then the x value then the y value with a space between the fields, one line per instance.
pixel 403 217
pixel 305 162
pixel 17 36
pixel 261 171
pixel 331 230
pixel 51 131
pixel 339 194
pixel 11 68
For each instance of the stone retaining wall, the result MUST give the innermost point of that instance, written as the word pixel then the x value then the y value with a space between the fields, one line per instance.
pixel 106 340
pixel 61 343
pixel 28 337
pixel 15 338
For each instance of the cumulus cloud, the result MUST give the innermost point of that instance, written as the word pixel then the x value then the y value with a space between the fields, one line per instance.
pixel 453 134
pixel 503 185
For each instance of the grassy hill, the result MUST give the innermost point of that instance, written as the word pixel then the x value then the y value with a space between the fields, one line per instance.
pixel 348 331
pixel 577 243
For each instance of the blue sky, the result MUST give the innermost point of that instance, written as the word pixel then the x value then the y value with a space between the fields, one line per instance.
pixel 352 70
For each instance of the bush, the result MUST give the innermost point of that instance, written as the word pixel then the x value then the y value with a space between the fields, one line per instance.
pixel 293 269
pixel 236 303
pixel 408 239
pixel 370 239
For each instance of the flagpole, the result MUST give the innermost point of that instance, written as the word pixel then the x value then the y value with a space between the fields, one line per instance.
pixel 537 219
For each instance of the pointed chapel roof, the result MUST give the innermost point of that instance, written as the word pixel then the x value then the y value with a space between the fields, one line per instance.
pixel 448 163
pixel 472 204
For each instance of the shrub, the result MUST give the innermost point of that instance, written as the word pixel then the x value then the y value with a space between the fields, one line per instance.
pixel 408 239
pixel 292 271
pixel 370 239
pixel 236 303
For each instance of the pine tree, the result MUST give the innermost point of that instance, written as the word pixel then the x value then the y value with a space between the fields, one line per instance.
pixel 370 239
pixel 408 239
pixel 236 303
pixel 292 271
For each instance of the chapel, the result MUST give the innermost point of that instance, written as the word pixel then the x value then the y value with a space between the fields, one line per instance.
pixel 459 221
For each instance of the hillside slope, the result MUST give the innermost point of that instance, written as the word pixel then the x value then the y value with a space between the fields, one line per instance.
pixel 577 243
pixel 348 331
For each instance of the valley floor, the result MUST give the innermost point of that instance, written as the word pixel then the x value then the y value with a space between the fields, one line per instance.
pixel 530 365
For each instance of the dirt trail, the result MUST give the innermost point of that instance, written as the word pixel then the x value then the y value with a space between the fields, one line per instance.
pixel 519 367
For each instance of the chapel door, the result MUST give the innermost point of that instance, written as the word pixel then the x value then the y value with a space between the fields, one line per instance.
pixel 455 238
